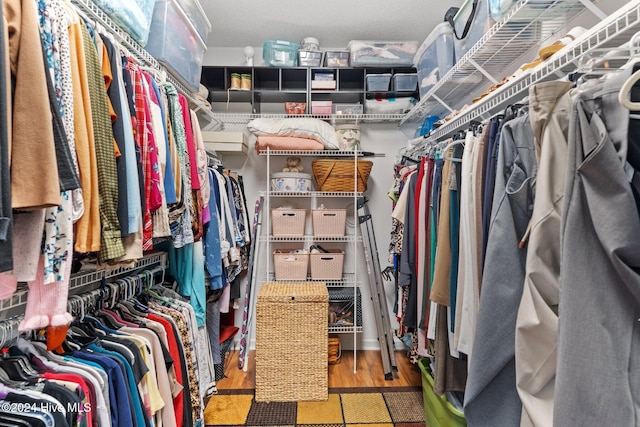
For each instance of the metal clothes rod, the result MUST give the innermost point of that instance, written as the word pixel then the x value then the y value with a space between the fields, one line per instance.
pixel 84 280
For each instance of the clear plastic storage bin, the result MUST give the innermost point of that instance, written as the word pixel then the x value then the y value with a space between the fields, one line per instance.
pixel 435 57
pixel 133 16
pixel 498 8
pixel 279 53
pixel 336 58
pixel 480 24
pixel 310 58
pixel 382 53
pixel 175 43
pixel 348 108
pixel 196 15
pixel 404 82
pixel 378 82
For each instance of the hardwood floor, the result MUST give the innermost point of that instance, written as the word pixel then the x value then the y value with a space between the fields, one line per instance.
pixel 369 372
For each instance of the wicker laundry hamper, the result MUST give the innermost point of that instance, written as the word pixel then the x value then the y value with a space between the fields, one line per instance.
pixel 292 342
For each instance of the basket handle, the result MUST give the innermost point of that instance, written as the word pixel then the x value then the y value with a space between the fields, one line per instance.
pixel 323 175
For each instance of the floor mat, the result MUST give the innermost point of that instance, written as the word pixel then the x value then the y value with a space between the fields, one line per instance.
pixel 228 409
pixel 329 412
pixel 364 408
pixel 355 409
pixel 405 407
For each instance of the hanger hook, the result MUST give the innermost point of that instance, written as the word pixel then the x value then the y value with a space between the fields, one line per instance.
pixel 4 335
pixel 8 331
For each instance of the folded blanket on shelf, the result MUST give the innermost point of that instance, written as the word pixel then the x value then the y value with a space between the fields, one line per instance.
pixel 286 143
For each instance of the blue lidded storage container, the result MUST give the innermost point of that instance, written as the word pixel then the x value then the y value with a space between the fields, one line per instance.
pixel 278 53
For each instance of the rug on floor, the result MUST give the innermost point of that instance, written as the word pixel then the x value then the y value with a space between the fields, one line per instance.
pixel 353 409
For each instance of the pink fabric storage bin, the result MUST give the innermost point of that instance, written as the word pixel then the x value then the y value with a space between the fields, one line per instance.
pixel 321 107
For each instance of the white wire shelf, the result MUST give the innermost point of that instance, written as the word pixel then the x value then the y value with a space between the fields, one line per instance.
pixel 487 61
pixel 347 279
pixel 243 118
pixel 320 153
pixel 344 329
pixel 612 32
pixel 89 8
pixel 310 194
pixel 337 239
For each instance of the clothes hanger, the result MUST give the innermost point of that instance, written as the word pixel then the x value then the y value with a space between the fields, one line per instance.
pixel 108 320
pixel 12 370
pixel 449 147
pixel 159 75
pixel 600 62
pixel 624 96
pixel 16 368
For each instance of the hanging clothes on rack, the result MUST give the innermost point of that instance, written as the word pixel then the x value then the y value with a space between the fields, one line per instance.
pixel 537 320
pixel 6 215
pixel 599 304
pixel 32 142
pixel 492 369
pixel 111 242
pixel 87 238
pixel 128 138
pixel 123 360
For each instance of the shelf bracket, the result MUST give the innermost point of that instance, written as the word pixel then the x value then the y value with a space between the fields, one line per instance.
pixel 594 9
pixel 483 71
pixel 444 104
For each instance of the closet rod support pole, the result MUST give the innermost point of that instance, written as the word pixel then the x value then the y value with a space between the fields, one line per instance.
pixel 483 71
pixel 444 104
pixel 594 9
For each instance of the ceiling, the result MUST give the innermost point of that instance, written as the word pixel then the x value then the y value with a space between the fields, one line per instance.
pixel 333 22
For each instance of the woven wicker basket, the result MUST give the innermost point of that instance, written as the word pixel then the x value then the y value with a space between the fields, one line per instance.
pixel 337 175
pixel 292 342
pixel 335 349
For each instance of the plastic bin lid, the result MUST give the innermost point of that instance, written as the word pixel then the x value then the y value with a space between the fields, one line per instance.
pixel 441 29
pixel 297 175
pixel 268 43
